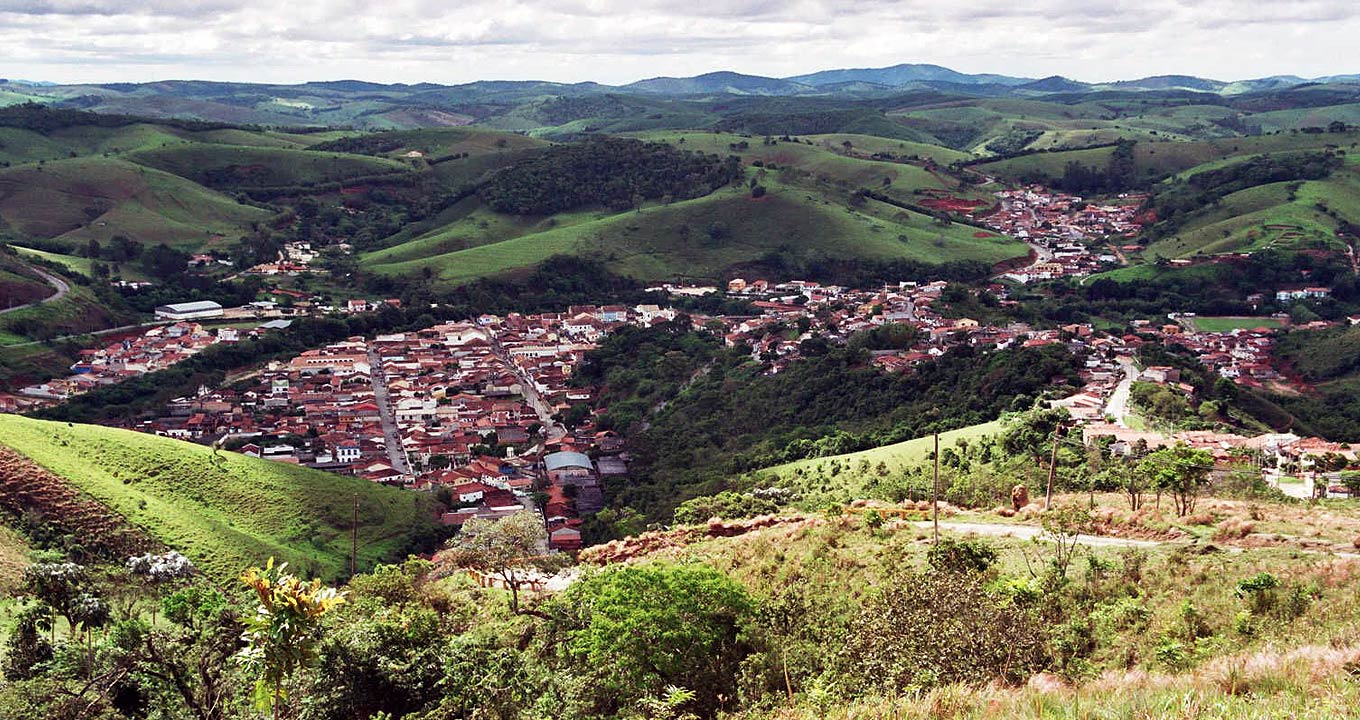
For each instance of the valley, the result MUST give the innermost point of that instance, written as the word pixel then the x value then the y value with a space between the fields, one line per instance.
pixel 535 399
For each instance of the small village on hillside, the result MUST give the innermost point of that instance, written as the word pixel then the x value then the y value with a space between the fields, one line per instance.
pixel 477 411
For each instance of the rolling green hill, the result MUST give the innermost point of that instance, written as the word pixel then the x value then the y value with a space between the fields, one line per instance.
pixel 240 166
pixel 74 201
pixel 853 470
pixel 697 238
pixel 826 160
pixel 18 283
pixel 1155 160
pixel 224 510
pixel 20 145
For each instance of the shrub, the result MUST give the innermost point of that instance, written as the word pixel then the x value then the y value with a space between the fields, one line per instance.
pixel 937 628
pixel 975 556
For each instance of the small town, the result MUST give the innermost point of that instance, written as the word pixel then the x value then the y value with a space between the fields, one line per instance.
pixel 679 361
pixel 1070 236
pixel 474 410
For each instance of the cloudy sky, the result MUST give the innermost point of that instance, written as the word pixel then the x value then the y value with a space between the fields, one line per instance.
pixel 618 41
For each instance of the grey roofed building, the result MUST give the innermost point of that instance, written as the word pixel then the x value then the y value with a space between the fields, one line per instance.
pixel 559 460
pixel 189 310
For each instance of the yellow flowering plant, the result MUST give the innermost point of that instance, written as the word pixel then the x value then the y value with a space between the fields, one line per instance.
pixel 285 631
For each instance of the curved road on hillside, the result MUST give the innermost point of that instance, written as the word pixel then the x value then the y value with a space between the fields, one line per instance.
pixel 56 282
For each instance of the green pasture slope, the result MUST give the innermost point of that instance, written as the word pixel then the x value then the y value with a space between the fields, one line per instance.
pixel 18 145
pixel 81 265
pixel 1268 216
pixel 1162 158
pixel 1228 324
pixel 79 312
pixel 815 474
pixel 76 200
pixel 224 510
pixel 246 166
pixel 665 242
pixel 822 160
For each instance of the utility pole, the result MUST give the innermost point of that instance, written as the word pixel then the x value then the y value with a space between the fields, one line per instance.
pixel 354 539
pixel 1052 467
pixel 935 496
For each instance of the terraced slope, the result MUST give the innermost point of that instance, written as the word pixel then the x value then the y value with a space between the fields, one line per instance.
pixel 223 510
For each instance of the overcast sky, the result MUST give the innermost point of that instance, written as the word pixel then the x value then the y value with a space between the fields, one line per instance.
pixel 452 41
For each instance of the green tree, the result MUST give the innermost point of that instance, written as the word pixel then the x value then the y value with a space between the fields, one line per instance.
pixel 635 631
pixel 1181 471
pixel 185 661
pixel 511 549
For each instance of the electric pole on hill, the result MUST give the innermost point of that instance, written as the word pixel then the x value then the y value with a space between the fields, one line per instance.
pixel 354 539
pixel 935 495
pixel 1052 467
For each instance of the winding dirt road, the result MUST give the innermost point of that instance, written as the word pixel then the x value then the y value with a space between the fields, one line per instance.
pixel 62 289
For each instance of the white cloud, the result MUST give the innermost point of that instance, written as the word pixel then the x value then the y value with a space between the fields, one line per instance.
pixel 611 41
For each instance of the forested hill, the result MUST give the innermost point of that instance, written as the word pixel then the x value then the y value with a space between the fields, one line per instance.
pixel 697 415
pixel 610 172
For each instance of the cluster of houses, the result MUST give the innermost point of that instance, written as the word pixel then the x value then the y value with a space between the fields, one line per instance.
pixel 1067 228
pixel 1244 356
pixel 156 349
pixel 467 409
pixel 294 258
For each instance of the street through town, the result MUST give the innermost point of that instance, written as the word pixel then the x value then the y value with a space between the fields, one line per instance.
pixel 396 454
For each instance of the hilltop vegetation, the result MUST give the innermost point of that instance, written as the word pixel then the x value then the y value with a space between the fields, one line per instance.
pixel 613 173
pixel 803 617
pixel 696 416
pixel 225 510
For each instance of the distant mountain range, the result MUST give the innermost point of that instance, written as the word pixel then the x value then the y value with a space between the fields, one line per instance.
pixel 524 105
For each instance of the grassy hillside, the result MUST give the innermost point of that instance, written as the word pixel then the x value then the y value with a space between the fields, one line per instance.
pixel 841 478
pixel 825 160
pixel 80 265
pixel 225 511
pixel 79 312
pixel 18 145
pixel 18 283
pixel 1150 630
pixel 703 237
pixel 1161 158
pixel 237 166
pixel 1259 217
pixel 74 201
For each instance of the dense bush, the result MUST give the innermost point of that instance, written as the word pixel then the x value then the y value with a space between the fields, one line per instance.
pixel 935 628
pixel 610 172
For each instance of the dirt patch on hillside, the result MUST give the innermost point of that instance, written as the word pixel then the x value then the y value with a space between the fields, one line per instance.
pixel 640 546
pixel 35 495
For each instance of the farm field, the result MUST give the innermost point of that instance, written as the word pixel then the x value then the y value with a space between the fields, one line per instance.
pixel 224 510
pixel 1228 324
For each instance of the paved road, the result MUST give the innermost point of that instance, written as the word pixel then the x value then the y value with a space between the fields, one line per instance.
pixel 396 454
pixel 92 333
pixel 553 428
pixel 1118 405
pixel 54 281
